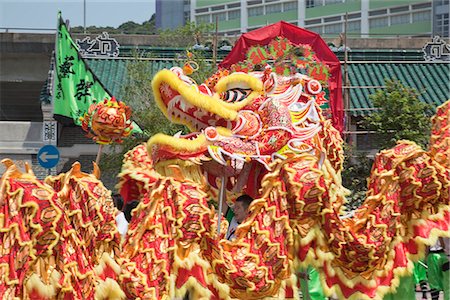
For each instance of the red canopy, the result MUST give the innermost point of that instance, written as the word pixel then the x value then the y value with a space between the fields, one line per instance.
pixel 296 35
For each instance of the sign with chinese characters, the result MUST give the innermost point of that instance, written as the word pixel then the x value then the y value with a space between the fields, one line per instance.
pixel 102 45
pixel 49 132
pixel 437 49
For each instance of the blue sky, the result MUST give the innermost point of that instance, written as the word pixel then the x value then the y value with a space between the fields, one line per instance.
pixel 42 14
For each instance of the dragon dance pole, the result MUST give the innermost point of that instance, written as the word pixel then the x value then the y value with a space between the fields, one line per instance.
pixel 99 153
pixel 221 196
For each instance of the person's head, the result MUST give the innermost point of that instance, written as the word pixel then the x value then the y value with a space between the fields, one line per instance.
pixel 128 208
pixel 118 201
pixel 240 207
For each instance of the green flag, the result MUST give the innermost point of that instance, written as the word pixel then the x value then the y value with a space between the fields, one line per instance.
pixel 75 86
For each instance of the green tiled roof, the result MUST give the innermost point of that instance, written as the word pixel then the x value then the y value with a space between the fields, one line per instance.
pixel 113 72
pixel 430 79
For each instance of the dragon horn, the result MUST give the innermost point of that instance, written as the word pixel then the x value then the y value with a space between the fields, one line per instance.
pixel 28 169
pixel 7 162
pixel 96 171
pixel 76 169
pixel 11 169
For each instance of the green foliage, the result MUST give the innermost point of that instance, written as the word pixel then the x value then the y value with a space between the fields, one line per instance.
pixel 401 115
pixel 205 67
pixel 138 94
pixel 130 27
pixel 355 172
pixel 185 36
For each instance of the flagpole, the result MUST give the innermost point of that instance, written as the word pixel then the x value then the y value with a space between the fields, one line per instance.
pixel 99 153
pixel 84 15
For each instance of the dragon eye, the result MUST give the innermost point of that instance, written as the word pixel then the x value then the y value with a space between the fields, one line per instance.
pixel 235 95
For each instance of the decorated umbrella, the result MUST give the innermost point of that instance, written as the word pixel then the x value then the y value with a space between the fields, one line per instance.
pixel 107 122
pixel 297 36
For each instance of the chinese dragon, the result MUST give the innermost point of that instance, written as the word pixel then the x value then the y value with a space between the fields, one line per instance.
pixel 261 127
pixel 264 131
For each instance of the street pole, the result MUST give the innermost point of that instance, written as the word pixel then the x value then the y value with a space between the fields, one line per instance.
pixel 221 198
pixel 215 41
pixel 84 16
pixel 346 84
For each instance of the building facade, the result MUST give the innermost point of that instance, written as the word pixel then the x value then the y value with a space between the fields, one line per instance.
pixel 172 14
pixel 441 12
pixel 366 18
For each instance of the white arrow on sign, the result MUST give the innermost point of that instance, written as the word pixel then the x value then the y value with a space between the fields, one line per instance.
pixel 45 156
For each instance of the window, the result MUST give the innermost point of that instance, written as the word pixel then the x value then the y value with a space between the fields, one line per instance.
pixel 233 5
pixel 255 11
pixel 442 25
pixel 442 2
pixel 313 21
pixel 378 12
pixel 203 19
pixel 201 10
pixel 333 28
pixel 316 29
pixel 220 7
pixel 234 14
pixel 332 19
pixel 332 1
pixel 354 26
pixel 421 5
pixel 220 16
pixel 274 8
pixel 354 16
pixel 378 22
pixel 399 9
pixel 422 16
pixel 310 3
pixel 290 6
pixel 400 19
pixel 254 2
pixel 234 32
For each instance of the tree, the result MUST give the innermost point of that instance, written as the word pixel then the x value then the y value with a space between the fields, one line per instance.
pixel 185 36
pixel 400 115
pixel 138 94
pixel 130 27
pixel 355 172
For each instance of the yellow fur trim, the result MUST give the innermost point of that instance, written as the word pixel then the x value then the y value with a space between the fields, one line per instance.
pixel 44 290
pixel 108 290
pixel 176 143
pixel 237 80
pixel 210 104
pixel 105 260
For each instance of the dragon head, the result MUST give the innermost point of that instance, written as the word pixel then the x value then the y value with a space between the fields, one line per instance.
pixel 240 123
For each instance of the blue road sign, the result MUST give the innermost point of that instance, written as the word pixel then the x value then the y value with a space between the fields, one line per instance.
pixel 48 156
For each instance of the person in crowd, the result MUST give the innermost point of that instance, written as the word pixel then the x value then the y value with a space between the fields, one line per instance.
pixel 436 261
pixel 240 210
pixel 122 224
pixel 420 277
pixel 310 284
pixel 129 208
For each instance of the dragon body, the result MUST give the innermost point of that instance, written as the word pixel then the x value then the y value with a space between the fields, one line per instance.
pixel 265 133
